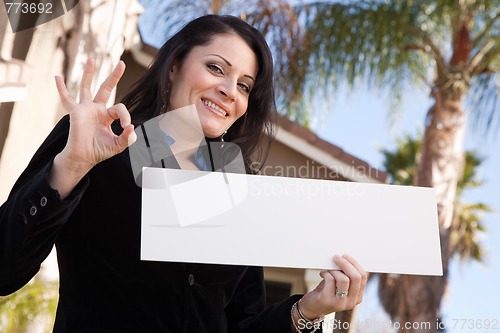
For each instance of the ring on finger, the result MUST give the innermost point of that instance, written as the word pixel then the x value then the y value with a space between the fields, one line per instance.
pixel 341 293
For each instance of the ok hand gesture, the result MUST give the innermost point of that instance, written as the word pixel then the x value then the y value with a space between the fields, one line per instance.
pixel 91 139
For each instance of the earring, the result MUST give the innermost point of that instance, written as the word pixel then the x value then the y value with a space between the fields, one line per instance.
pixel 165 96
pixel 164 104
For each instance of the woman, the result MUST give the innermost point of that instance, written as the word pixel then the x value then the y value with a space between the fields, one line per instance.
pixel 79 193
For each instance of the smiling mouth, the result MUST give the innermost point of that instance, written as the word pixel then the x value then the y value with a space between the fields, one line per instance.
pixel 214 107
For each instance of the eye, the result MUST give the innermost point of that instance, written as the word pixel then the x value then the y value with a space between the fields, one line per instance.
pixel 245 87
pixel 215 68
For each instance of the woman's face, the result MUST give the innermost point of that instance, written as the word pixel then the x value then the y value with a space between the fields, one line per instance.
pixel 217 78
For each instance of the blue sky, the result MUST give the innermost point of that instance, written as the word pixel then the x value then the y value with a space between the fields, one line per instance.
pixel 358 122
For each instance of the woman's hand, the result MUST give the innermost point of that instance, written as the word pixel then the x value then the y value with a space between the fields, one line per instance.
pixel 340 289
pixel 91 139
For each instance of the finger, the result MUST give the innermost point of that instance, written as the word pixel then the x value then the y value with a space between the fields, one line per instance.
pixel 356 264
pixel 86 83
pixel 364 274
pixel 109 84
pixel 119 111
pixel 127 137
pixel 66 99
pixel 348 268
pixel 329 283
pixel 354 277
pixel 341 282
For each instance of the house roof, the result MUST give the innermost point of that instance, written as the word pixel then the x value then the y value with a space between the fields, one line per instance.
pixel 297 137
pixel 311 145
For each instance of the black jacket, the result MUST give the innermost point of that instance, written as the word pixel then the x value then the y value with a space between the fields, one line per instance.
pixel 104 286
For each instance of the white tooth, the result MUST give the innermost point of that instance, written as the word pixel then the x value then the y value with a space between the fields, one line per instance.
pixel 215 107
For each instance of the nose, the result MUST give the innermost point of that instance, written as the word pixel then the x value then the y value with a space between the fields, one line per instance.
pixel 229 89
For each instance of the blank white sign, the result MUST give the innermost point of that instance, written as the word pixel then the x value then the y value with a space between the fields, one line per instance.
pixel 225 218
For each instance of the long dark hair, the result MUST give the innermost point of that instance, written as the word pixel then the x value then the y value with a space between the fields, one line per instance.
pixel 148 96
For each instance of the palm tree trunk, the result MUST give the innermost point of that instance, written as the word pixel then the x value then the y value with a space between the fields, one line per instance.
pixel 440 166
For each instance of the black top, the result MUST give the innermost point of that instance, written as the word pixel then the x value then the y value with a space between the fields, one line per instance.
pixel 104 286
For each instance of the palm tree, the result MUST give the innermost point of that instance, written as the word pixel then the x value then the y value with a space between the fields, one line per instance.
pixel 401 165
pixel 453 48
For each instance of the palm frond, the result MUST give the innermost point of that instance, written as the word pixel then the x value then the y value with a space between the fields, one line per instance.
pixel 466 231
pixel 484 103
pixel 388 44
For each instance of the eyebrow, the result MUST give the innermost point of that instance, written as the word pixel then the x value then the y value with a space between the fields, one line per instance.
pixel 230 65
